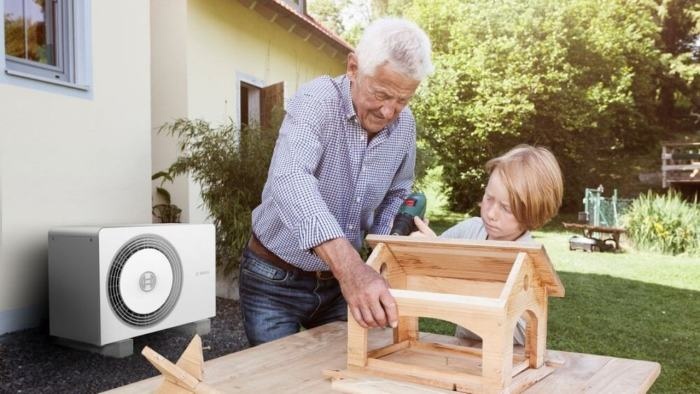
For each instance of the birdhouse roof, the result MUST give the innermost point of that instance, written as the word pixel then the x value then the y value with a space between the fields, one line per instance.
pixel 457 258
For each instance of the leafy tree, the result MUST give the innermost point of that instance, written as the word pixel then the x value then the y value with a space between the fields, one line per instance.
pixel 680 29
pixel 577 76
pixel 328 12
pixel 598 82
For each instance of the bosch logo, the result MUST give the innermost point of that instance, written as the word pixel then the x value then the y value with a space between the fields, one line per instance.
pixel 147 281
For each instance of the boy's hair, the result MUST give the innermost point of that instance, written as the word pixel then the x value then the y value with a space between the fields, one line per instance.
pixel 534 182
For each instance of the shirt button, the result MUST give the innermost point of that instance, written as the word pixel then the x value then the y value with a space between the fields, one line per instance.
pixel 350 227
pixel 358 199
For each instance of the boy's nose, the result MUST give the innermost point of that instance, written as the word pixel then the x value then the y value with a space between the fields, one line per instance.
pixel 492 211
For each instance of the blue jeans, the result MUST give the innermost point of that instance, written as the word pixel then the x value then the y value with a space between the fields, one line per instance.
pixel 276 303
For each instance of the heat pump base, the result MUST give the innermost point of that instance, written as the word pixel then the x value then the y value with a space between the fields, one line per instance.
pixel 200 327
pixel 120 349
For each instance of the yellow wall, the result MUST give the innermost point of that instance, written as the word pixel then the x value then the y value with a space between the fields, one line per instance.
pixel 225 41
pixel 69 158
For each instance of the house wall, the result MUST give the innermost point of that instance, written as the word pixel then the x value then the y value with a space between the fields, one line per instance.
pixel 169 88
pixel 226 43
pixel 72 157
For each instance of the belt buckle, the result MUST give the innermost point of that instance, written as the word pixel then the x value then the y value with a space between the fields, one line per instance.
pixel 324 275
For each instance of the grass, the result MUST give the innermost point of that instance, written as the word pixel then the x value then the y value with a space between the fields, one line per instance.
pixel 628 304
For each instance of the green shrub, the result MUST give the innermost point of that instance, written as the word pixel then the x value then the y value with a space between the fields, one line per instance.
pixel 231 166
pixel 664 223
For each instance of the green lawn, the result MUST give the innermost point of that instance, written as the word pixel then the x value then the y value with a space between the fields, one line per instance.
pixel 628 304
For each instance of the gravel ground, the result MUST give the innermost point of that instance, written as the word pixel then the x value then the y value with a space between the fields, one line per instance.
pixel 30 363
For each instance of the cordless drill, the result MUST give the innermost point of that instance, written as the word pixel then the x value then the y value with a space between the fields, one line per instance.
pixel 413 205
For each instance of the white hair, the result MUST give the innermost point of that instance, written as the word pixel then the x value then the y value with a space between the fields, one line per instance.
pixel 397 42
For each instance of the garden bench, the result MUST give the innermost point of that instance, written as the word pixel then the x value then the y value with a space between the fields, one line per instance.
pixel 589 230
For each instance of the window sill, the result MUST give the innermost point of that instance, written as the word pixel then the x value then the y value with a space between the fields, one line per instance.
pixel 47 80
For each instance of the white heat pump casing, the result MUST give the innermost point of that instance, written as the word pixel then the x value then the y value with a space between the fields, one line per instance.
pixel 144 287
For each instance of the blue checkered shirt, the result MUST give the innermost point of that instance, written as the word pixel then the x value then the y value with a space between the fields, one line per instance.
pixel 326 181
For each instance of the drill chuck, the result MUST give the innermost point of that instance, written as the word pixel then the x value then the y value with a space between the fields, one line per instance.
pixel 403 225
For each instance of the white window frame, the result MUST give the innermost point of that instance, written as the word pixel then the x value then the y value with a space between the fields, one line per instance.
pixel 72 41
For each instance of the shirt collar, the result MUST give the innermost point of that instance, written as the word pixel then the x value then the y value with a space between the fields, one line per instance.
pixel 347 97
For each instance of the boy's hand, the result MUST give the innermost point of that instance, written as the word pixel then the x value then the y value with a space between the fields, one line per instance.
pixel 423 229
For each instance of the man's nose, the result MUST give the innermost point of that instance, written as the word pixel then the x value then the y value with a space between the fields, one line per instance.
pixel 387 110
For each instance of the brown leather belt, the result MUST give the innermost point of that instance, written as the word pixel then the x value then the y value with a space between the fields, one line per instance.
pixel 255 246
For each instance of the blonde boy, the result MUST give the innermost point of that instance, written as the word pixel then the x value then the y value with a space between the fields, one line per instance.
pixel 523 193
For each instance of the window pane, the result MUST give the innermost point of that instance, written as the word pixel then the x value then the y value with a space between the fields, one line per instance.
pixel 14 28
pixel 30 30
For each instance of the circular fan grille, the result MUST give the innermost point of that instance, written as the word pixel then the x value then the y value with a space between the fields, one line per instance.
pixel 116 299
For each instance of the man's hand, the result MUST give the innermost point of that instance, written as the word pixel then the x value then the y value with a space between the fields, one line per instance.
pixel 365 291
pixel 423 229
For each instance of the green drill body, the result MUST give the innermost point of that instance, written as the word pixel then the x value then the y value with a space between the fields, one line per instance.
pixel 413 205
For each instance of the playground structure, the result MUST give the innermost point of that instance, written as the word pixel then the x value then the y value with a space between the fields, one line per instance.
pixel 602 227
pixel 680 163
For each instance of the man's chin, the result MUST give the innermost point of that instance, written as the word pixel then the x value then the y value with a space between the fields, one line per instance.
pixel 375 128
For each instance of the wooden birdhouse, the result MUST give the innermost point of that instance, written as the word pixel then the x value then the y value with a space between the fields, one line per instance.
pixel 484 286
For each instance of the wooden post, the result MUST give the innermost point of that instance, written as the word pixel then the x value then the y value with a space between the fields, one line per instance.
pixel 357 343
pixel 497 358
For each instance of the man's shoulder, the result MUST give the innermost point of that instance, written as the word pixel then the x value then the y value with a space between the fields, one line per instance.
pixel 406 122
pixel 321 89
pixel 317 98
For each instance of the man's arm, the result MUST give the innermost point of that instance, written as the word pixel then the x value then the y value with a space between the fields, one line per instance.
pixel 365 291
pixel 301 207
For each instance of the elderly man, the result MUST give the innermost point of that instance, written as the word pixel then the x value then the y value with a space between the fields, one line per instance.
pixel 343 163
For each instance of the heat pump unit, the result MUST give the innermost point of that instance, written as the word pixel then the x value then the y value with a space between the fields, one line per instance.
pixel 108 284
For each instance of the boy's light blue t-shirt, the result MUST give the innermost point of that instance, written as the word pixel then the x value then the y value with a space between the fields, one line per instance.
pixel 473 228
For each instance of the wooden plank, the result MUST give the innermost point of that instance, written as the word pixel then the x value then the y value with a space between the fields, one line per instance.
pixel 383 261
pixel 407 329
pixel 446 349
pixel 489 289
pixel 354 381
pixel 597 229
pixel 383 351
pixel 475 312
pixel 170 371
pixel 680 167
pixel 357 342
pixel 423 375
pixel 519 367
pixel 572 377
pixel 528 378
pixel 488 266
pixel 192 359
pixel 638 377
pixel 512 277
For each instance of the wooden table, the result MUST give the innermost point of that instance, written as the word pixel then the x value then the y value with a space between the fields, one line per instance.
pixel 589 230
pixel 294 365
